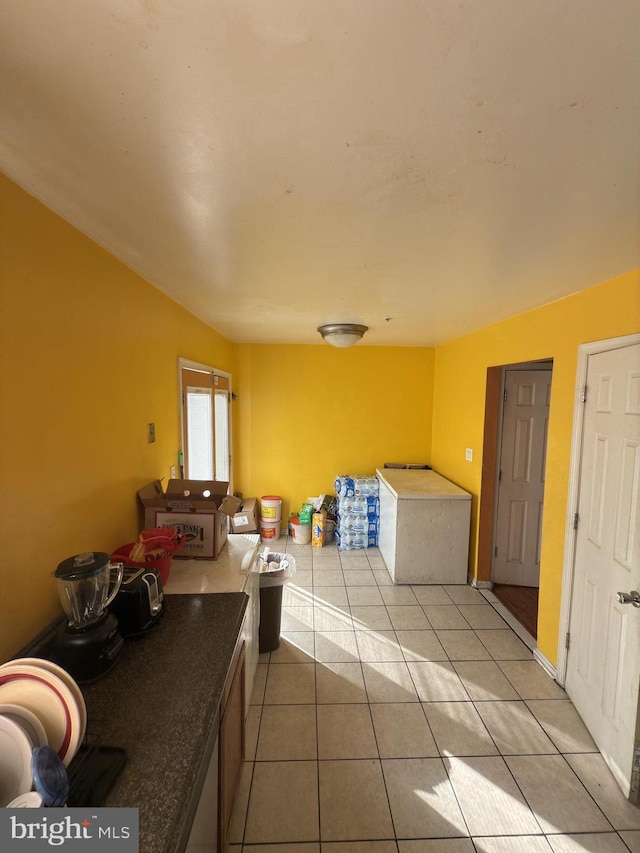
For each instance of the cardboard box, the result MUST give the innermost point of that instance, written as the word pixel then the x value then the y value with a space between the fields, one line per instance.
pixel 202 508
pixel 245 520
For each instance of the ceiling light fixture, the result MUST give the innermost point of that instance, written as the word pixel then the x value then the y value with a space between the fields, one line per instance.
pixel 342 334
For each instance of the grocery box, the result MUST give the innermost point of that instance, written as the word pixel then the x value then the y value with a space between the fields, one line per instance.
pixel 201 508
pixel 245 520
pixel 318 521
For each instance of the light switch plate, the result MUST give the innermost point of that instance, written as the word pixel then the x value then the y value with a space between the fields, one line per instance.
pixel 468 455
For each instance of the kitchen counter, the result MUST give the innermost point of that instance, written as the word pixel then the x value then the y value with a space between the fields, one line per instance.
pixel 226 574
pixel 235 570
pixel 160 703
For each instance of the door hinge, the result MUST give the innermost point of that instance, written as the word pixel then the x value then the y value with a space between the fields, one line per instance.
pixel 583 395
pixel 576 519
pixel 495 551
pixel 500 475
pixel 504 395
pixel 566 641
pixel 635 769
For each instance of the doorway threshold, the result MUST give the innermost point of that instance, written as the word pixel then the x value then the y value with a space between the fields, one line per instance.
pixel 510 619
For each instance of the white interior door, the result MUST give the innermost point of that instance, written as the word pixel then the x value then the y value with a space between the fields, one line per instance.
pixel 521 487
pixel 603 659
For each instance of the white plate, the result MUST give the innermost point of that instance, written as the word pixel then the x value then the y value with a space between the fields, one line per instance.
pixel 49 698
pixel 63 675
pixel 30 800
pixel 15 761
pixel 28 721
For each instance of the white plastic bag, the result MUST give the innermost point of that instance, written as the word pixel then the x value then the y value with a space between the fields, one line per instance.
pixel 275 568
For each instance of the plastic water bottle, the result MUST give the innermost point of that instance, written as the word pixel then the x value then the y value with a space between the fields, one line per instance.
pixel 352 521
pixel 352 539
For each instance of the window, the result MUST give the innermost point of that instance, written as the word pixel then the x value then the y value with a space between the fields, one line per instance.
pixel 206 416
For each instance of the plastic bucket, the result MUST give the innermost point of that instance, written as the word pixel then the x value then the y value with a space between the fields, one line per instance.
pixel 300 533
pixel 269 530
pixel 270 507
pixel 329 529
pixel 162 564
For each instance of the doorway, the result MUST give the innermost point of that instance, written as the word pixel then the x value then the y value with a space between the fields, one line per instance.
pixel 516 422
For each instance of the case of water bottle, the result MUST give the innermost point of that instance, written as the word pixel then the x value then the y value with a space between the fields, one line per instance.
pixel 368 505
pixel 348 487
pixel 358 512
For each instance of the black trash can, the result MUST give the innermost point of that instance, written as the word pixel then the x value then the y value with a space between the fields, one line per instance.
pixel 275 570
pixel 270 617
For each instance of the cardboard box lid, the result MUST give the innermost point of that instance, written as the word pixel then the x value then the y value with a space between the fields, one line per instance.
pixel 203 495
pixel 248 505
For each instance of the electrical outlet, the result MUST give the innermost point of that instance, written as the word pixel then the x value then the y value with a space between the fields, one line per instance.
pixel 151 433
pixel 468 454
pixel 172 472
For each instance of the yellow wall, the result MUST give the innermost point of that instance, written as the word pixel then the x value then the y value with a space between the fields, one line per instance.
pixel 305 414
pixel 555 331
pixel 88 357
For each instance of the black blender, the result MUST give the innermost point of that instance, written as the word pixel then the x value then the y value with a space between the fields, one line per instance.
pixel 88 645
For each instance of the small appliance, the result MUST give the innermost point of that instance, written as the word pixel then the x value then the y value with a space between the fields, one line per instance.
pixel 139 602
pixel 88 645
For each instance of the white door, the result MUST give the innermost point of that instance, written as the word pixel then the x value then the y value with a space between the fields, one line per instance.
pixel 521 487
pixel 603 659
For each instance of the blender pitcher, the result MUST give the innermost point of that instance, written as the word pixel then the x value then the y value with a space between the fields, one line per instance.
pixel 83 583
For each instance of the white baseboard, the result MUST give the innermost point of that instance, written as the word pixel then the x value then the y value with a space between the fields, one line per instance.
pixel 480 584
pixel 548 667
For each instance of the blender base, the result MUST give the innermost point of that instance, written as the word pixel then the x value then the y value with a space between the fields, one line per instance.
pixel 89 654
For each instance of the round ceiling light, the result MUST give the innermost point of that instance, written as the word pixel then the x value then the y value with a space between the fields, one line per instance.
pixel 342 334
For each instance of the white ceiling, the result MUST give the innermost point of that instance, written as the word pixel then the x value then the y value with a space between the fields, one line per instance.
pixel 273 166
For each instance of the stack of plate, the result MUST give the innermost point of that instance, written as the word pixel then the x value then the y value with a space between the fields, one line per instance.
pixel 40 706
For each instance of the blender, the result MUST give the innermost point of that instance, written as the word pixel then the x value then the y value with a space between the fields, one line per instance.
pixel 88 644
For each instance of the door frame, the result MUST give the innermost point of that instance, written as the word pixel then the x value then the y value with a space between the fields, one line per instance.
pixel 543 364
pixel 185 363
pixel 568 566
pixel 491 443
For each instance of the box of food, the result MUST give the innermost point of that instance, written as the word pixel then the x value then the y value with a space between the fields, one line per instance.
pixel 246 519
pixel 318 522
pixel 201 508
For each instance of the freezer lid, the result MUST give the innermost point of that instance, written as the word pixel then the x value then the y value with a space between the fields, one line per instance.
pixel 420 485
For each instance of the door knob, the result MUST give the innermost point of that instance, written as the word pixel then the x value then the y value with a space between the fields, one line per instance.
pixel 632 597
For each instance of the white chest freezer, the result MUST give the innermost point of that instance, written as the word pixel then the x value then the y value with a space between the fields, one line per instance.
pixel 424 527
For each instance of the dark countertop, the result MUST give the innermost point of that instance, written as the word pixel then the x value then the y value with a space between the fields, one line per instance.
pixel 160 703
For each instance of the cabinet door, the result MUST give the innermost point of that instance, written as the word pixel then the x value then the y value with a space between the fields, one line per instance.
pixel 231 745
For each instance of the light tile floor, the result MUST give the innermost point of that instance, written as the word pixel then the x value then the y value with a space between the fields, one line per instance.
pixel 412 719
